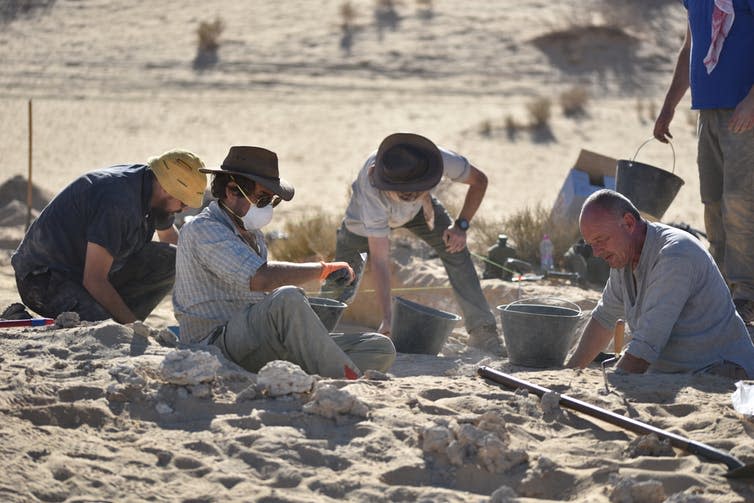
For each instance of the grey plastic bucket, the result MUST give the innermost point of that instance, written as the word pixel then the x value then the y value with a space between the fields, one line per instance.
pixel 539 332
pixel 651 189
pixel 420 329
pixel 329 311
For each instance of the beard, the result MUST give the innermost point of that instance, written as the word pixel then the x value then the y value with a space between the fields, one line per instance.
pixel 160 214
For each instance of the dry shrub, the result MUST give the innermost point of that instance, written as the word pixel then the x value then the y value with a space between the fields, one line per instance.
pixel 512 126
pixel 347 14
pixel 386 4
pixel 209 34
pixel 640 109
pixel 524 229
pixel 485 128
pixel 312 238
pixel 483 233
pixel 539 111
pixel 652 111
pixel 573 101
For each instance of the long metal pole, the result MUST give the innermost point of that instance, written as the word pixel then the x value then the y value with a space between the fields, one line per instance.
pixel 737 467
pixel 29 182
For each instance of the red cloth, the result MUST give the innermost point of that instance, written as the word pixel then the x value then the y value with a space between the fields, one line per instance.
pixel 722 20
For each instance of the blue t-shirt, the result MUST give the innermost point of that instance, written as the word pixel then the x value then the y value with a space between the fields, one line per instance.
pixel 733 77
pixel 109 207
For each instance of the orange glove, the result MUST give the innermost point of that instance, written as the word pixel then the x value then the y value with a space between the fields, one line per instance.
pixel 330 267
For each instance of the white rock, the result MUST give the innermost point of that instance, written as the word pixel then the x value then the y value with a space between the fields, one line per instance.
pixel 436 438
pixel 67 319
pixel 280 377
pixel 329 401
pixel 633 491
pixel 186 367
pixel 550 402
pixel 166 337
pixel 503 494
pixel 140 328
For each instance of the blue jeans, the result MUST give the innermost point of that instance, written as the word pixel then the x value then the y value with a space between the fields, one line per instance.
pixel 145 279
pixel 459 267
pixel 726 181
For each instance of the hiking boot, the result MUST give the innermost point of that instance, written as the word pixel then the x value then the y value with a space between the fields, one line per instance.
pixel 745 308
pixel 16 311
pixel 487 339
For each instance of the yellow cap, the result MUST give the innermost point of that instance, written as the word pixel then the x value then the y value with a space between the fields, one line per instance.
pixel 178 173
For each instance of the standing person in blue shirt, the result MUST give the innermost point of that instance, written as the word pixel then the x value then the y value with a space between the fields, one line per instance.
pixel 668 289
pixel 393 189
pixel 228 293
pixel 91 249
pixel 717 62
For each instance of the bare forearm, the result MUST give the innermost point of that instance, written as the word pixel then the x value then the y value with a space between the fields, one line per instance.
pixel 472 202
pixel 680 83
pixel 474 196
pixel 382 288
pixel 594 339
pixel 106 295
pixel 276 274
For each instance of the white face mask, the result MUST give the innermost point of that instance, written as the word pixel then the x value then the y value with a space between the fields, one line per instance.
pixel 256 218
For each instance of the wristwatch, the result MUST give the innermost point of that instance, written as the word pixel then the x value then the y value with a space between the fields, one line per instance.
pixel 462 224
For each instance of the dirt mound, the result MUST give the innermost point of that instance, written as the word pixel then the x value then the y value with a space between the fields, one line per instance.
pixel 590 48
pixel 14 189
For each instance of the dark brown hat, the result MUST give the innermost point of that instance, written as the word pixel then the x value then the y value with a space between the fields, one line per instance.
pixel 407 162
pixel 258 164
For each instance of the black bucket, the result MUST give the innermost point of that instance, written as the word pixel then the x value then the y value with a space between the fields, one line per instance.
pixel 651 189
pixel 420 329
pixel 329 311
pixel 539 332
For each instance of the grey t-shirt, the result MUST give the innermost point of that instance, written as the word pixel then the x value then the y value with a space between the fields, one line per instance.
pixel 677 306
pixel 372 213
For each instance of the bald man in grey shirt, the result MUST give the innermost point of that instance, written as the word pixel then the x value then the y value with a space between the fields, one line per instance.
pixel 669 291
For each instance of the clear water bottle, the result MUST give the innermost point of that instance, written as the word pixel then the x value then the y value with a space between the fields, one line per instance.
pixel 545 253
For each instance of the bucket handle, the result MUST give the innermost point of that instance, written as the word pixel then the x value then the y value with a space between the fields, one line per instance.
pixel 530 300
pixel 647 141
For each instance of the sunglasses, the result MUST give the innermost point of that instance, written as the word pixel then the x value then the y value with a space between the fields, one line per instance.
pixel 262 200
pixel 267 199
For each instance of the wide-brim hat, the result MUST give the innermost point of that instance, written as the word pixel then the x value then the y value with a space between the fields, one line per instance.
pixel 258 164
pixel 407 162
pixel 178 172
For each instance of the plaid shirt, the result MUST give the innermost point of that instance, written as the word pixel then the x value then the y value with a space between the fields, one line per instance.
pixel 214 266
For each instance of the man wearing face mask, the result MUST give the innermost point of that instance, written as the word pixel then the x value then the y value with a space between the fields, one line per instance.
pixel 91 249
pixel 393 189
pixel 228 293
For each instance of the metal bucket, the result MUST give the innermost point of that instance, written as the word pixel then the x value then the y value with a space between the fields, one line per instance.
pixel 420 329
pixel 651 189
pixel 329 311
pixel 538 332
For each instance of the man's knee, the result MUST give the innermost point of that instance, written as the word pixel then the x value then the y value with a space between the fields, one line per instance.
pixel 383 353
pixel 289 299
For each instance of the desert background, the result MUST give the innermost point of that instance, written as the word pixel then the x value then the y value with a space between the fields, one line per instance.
pixel 109 413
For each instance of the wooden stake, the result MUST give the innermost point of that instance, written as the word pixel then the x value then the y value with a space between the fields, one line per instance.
pixel 29 183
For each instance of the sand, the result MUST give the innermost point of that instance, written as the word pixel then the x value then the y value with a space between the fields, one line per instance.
pixel 107 412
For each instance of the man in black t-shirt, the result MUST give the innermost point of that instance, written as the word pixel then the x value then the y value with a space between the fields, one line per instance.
pixel 91 249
